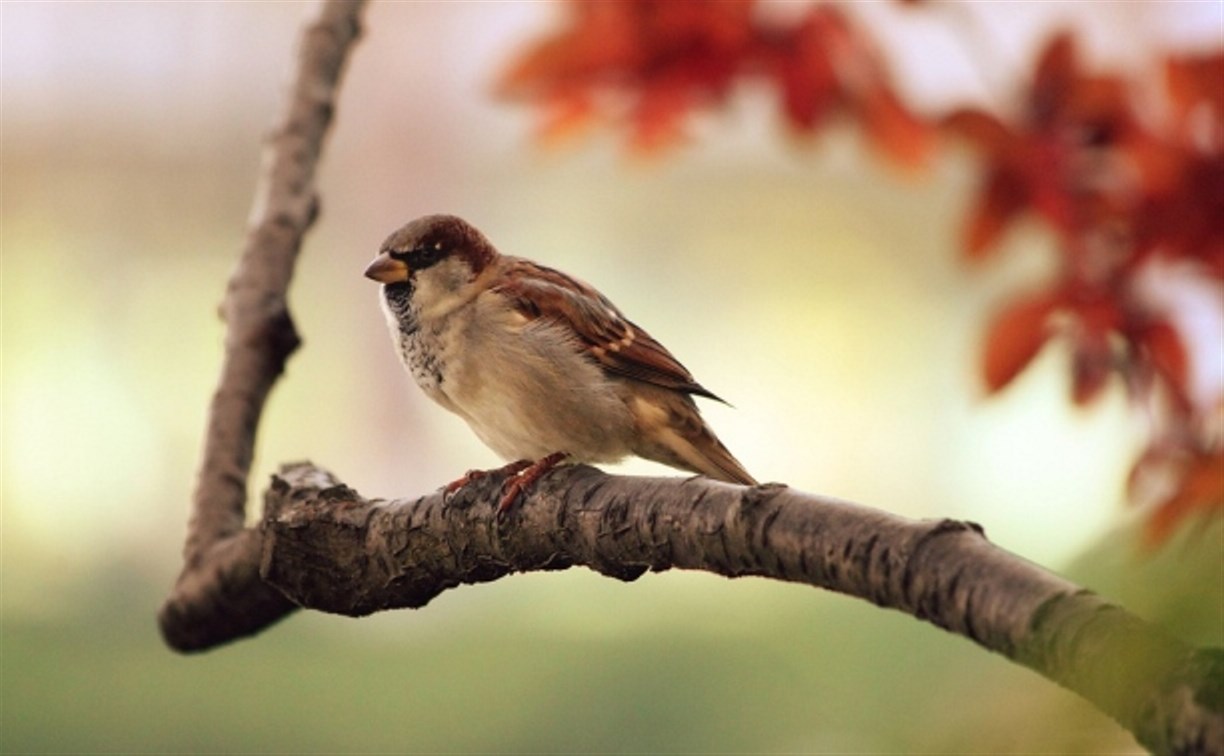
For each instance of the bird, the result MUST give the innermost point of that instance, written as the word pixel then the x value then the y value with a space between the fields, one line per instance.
pixel 542 367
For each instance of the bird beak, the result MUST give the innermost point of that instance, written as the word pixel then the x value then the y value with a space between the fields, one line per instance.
pixel 386 269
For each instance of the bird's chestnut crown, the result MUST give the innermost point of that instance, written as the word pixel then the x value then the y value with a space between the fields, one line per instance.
pixel 425 242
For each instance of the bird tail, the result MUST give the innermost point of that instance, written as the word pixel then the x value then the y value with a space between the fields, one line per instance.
pixel 674 434
pixel 719 463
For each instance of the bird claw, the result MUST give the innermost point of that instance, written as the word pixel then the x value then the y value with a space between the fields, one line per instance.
pixel 451 489
pixel 524 477
pixel 471 476
pixel 519 476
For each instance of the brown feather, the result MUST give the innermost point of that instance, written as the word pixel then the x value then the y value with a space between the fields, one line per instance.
pixel 618 345
pixel 672 432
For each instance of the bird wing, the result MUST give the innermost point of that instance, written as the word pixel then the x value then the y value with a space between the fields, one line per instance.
pixel 619 346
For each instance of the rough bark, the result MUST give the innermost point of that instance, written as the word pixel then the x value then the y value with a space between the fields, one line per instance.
pixel 327 548
pixel 260 336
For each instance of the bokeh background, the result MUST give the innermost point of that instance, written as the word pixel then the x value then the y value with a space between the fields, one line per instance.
pixel 816 289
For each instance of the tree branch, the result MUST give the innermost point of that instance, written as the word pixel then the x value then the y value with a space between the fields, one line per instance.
pixel 260 337
pixel 327 548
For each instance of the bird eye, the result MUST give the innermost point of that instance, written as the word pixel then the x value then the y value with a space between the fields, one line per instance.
pixel 423 257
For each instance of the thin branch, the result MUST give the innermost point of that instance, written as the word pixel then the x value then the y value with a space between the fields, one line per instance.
pixel 327 548
pixel 260 337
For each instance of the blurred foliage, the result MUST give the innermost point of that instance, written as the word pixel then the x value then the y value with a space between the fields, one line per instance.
pixel 1124 188
pixel 131 140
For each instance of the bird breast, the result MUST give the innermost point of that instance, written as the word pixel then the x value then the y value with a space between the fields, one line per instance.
pixel 523 386
pixel 419 351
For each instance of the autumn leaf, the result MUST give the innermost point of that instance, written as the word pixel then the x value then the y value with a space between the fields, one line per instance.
pixel 1097 318
pixel 1200 490
pixel 1053 79
pixel 1091 362
pixel 800 62
pixel 1003 198
pixel 1194 85
pixel 659 116
pixel 1118 187
pixel 566 116
pixel 1014 337
pixel 648 65
pixel 1160 343
pixel 895 131
pixel 983 130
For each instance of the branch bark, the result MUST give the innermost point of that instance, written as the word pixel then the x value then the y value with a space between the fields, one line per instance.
pixel 260 337
pixel 327 548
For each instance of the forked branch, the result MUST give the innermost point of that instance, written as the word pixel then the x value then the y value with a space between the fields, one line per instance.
pixel 259 338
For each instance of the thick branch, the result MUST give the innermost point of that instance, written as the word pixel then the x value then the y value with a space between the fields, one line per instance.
pixel 327 548
pixel 260 336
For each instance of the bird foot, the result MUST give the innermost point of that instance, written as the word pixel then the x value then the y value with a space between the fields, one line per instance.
pixel 524 477
pixel 471 476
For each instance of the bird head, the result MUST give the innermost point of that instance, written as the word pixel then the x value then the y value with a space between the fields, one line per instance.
pixel 430 260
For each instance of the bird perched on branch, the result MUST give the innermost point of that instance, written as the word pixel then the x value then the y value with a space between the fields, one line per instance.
pixel 541 365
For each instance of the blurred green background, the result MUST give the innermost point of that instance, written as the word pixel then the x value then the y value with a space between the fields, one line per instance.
pixel 812 287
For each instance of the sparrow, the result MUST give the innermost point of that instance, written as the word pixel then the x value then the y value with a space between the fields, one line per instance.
pixel 543 367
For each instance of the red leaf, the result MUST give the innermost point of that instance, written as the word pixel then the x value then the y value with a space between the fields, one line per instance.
pixel 1099 106
pixel 1051 192
pixel 807 94
pixel 979 128
pixel 1015 336
pixel 1193 82
pixel 1054 79
pixel 659 116
pixel 1097 318
pixel 805 73
pixel 566 116
pixel 896 132
pixel 544 61
pixel 1097 310
pixel 1163 346
pixel 1003 197
pixel 1201 489
pixel 1090 366
pixel 1154 462
pixel 663 56
pixel 724 27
